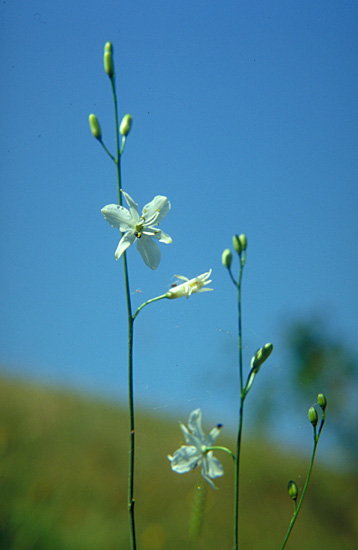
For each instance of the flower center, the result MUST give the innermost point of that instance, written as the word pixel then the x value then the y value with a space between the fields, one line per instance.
pixel 138 230
pixel 203 449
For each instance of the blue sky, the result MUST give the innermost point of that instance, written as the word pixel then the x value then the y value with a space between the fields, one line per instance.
pixel 245 116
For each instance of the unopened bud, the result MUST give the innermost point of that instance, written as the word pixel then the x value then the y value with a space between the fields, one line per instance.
pixel 95 127
pixel 292 490
pixel 226 258
pixel 126 124
pixel 313 416
pixel 322 401
pixel 243 241
pixel 260 357
pixel 108 47
pixel 108 59
pixel 236 243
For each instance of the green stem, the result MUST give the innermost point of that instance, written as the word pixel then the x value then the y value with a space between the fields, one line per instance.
pixel 241 416
pixel 237 478
pixel 131 500
pixel 107 151
pixel 232 277
pixel 297 509
pixel 123 144
pixel 220 448
pixel 148 302
pixel 242 263
pixel 118 152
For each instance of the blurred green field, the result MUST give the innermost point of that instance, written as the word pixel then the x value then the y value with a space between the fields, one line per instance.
pixel 63 483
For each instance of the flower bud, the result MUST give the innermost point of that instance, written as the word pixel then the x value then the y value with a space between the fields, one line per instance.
pixel 108 47
pixel 95 127
pixel 313 416
pixel 243 241
pixel 108 59
pixel 226 258
pixel 292 490
pixel 236 243
pixel 125 126
pixel 322 401
pixel 260 357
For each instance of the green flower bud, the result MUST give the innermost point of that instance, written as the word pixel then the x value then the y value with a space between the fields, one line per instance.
pixel 108 59
pixel 236 243
pixel 260 357
pixel 292 490
pixel 108 47
pixel 226 258
pixel 95 127
pixel 322 401
pixel 125 126
pixel 313 416
pixel 243 241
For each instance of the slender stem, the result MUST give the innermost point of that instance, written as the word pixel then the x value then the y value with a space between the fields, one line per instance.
pixel 148 302
pixel 241 416
pixel 131 410
pixel 131 500
pixel 220 448
pixel 118 152
pixel 297 509
pixel 107 151
pixel 232 277
pixel 242 263
pixel 237 478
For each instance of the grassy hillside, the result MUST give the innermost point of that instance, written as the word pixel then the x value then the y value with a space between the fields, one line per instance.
pixel 63 484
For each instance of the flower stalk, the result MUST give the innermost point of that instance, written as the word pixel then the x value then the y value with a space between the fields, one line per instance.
pixel 242 399
pixel 316 436
pixel 109 68
pixel 186 289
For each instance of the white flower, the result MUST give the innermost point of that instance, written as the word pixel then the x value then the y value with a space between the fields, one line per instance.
pixel 143 228
pixel 195 453
pixel 190 286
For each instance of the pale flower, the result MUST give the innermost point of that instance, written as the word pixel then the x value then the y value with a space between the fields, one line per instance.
pixel 190 286
pixel 196 451
pixel 143 228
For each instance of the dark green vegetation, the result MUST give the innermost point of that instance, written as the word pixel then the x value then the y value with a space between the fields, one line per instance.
pixel 63 484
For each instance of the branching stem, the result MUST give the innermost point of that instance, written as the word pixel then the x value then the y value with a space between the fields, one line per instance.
pixel 297 507
pixel 241 413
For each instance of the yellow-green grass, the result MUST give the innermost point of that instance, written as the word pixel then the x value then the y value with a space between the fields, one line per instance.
pixel 63 483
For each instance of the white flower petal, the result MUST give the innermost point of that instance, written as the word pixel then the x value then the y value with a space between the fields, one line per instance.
pixel 194 424
pixel 204 290
pixel 118 217
pixel 196 452
pixel 156 210
pixel 181 277
pixel 210 439
pixel 214 467
pixel 184 459
pixel 190 439
pixel 127 239
pixel 133 207
pixel 143 228
pixel 164 237
pixel 208 480
pixel 190 286
pixel 157 234
pixel 149 251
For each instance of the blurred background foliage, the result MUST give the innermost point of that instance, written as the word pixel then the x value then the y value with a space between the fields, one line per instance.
pixel 317 360
pixel 321 360
pixel 63 482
